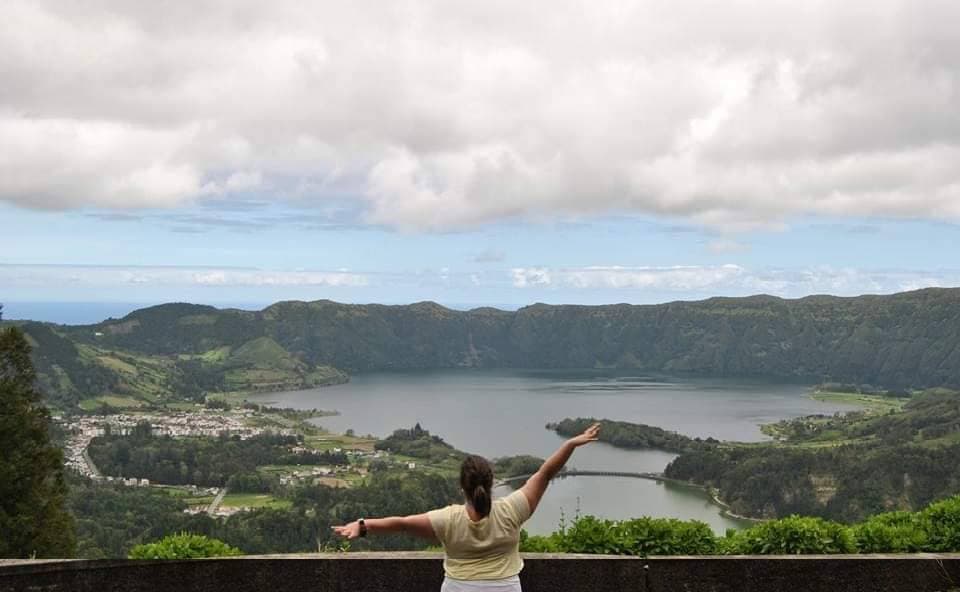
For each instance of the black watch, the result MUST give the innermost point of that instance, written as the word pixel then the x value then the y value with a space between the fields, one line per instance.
pixel 363 527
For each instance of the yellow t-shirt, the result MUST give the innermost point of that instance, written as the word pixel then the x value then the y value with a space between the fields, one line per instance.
pixel 488 549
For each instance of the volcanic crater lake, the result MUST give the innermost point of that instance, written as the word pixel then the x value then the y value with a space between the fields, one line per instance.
pixel 504 412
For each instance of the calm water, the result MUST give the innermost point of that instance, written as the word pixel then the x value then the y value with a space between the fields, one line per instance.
pixel 502 412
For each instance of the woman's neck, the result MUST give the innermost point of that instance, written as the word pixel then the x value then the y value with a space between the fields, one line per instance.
pixel 471 513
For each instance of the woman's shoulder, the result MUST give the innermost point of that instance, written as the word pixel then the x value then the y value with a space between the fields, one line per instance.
pixel 450 513
pixel 442 518
pixel 449 510
pixel 515 504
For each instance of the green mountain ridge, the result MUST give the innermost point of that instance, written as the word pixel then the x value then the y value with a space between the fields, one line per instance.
pixel 907 340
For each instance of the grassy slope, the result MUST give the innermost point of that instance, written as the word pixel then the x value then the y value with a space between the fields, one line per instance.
pixel 254 500
pixel 878 403
pixel 263 352
pixel 869 404
pixel 138 379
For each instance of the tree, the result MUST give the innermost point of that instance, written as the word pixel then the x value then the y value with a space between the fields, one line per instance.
pixel 33 516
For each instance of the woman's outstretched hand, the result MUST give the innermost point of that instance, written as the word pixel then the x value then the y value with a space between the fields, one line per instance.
pixel 591 434
pixel 348 531
pixel 536 485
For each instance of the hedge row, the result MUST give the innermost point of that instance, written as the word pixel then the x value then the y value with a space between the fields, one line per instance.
pixel 933 529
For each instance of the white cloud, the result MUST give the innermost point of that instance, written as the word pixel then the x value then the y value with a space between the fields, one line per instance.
pixel 243 180
pixel 57 163
pixel 688 278
pixel 731 280
pixel 438 115
pixel 20 276
pixel 279 278
pixel 530 276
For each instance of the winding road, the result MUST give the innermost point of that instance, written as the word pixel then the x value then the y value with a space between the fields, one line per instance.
pixel 216 501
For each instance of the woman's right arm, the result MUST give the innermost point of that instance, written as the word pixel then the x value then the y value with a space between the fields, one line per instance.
pixel 535 486
pixel 417 525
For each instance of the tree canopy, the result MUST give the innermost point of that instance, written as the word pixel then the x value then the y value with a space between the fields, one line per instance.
pixel 33 518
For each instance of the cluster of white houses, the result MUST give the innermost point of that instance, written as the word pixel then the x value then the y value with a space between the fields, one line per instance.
pixel 314 475
pixel 204 422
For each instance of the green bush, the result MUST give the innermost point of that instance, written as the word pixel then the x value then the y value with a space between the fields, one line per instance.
pixel 729 544
pixel 184 546
pixel 641 536
pixel 666 536
pixel 893 532
pixel 942 522
pixel 540 544
pixel 593 535
pixel 794 535
pixel 936 529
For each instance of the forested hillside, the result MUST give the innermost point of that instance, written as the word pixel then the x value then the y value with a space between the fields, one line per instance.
pixel 630 435
pixel 899 341
pixel 845 467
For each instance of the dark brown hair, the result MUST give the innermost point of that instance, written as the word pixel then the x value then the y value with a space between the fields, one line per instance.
pixel 476 480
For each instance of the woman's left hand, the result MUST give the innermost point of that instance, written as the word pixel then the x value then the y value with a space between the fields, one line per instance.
pixel 348 531
pixel 591 434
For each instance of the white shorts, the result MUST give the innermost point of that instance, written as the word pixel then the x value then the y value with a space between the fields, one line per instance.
pixel 511 584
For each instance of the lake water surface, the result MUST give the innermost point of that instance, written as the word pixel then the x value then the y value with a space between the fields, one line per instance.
pixel 503 412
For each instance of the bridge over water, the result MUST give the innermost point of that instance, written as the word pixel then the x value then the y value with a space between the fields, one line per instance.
pixel 579 473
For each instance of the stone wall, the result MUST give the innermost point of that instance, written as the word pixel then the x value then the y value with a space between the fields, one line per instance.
pixel 415 572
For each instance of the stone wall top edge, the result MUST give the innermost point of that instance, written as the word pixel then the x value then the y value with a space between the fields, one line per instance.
pixel 19 564
pixel 841 557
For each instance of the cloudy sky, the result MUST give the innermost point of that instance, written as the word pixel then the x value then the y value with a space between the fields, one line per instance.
pixel 477 152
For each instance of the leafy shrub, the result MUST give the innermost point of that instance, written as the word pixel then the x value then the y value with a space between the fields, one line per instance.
pixel 592 535
pixel 641 536
pixel 540 544
pixel 893 532
pixel 942 522
pixel 937 529
pixel 794 535
pixel 666 536
pixel 184 546
pixel 730 543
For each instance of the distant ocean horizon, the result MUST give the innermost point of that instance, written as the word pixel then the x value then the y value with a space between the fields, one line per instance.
pixel 88 313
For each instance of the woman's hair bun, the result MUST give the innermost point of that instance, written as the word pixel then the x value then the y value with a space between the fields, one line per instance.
pixel 476 480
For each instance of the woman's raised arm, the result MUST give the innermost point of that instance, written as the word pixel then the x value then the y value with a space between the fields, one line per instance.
pixel 535 486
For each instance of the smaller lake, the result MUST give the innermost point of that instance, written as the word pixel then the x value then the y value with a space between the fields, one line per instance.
pixel 503 412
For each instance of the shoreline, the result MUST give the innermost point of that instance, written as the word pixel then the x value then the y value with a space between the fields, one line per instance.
pixel 712 494
pixel 868 402
pixel 865 403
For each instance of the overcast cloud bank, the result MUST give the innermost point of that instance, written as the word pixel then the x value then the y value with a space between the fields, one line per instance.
pixel 438 115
